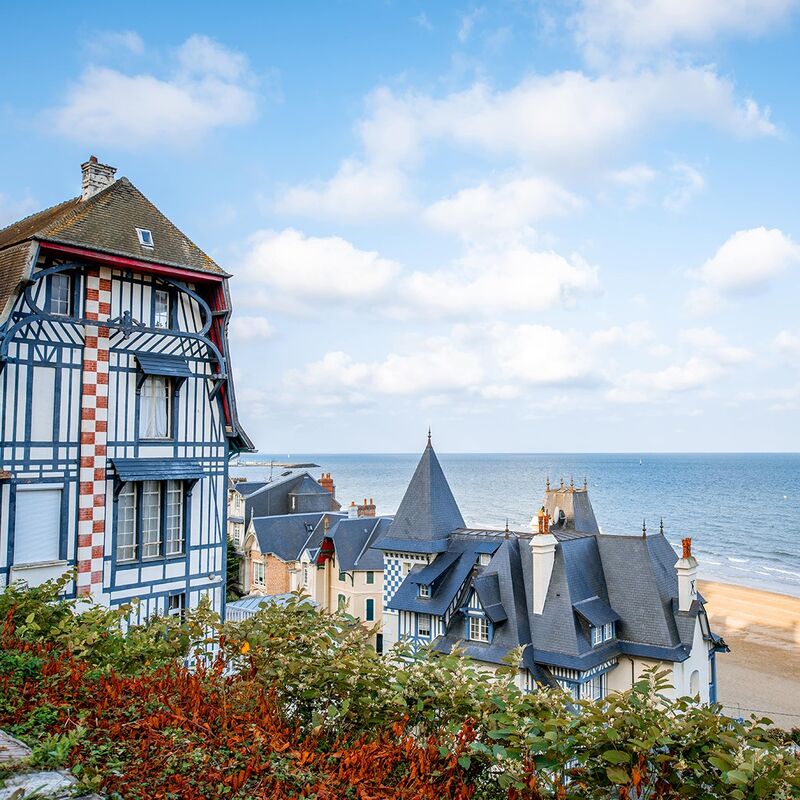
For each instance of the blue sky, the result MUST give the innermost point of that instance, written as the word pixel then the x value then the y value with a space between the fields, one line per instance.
pixel 533 226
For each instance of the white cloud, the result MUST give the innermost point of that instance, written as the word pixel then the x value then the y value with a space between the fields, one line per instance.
pixel 252 328
pixel 291 271
pixel 357 192
pixel 510 206
pixel 422 20
pixel 636 179
pixel 748 260
pixel 540 355
pixel 640 386
pixel 712 344
pixel 438 365
pixel 104 43
pixel 565 119
pixel 687 183
pixel 497 280
pixel 787 343
pixel 490 361
pixel 642 28
pixel 209 88
pixel 632 335
pixel 468 23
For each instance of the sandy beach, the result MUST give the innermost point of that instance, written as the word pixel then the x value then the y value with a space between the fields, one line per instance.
pixel 762 671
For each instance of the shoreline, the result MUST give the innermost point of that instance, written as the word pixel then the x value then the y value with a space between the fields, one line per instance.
pixel 761 674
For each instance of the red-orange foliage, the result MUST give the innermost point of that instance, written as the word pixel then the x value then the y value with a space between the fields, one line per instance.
pixel 177 733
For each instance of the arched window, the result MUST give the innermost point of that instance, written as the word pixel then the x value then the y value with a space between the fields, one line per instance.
pixel 694 683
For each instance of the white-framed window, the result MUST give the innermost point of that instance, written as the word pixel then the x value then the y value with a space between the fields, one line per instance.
pixel 305 574
pixel 145 237
pixel 60 294
pixel 151 519
pixel 154 407
pixel 594 688
pixel 484 559
pixel 126 523
pixel 176 541
pixel 176 605
pixel 479 629
pixel 597 635
pixel 161 312
pixel 37 524
pixel 608 631
pixel 258 573
pixel 424 625
pixel 424 590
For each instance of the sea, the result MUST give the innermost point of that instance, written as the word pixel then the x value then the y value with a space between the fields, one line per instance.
pixel 741 510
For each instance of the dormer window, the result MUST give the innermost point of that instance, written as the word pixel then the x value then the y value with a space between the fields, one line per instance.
pixel 479 629
pixel 602 633
pixel 484 559
pixel 424 590
pixel 145 237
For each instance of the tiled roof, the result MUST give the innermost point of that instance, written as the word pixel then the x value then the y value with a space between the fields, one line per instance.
pixel 107 222
pixel 14 263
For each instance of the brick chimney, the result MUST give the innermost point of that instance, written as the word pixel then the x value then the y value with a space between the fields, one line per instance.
pixel 95 177
pixel 366 509
pixel 686 567
pixel 326 482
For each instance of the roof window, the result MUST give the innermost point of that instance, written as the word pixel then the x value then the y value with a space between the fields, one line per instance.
pixel 145 237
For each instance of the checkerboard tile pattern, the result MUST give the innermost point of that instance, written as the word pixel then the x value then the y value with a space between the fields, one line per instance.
pixel 392 578
pixel 94 434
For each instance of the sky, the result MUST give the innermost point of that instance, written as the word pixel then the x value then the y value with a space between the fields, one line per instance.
pixel 531 226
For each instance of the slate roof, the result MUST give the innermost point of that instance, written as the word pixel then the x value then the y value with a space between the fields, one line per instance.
pixel 596 578
pixel 353 541
pixel 428 511
pixel 287 535
pixel 271 498
pixel 578 511
pixel 107 222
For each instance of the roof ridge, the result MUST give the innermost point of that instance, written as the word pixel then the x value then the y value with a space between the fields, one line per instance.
pixel 29 218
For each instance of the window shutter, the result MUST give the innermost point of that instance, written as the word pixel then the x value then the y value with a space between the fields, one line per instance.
pixel 37 525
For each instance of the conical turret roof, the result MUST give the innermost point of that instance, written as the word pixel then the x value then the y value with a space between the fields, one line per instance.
pixel 428 511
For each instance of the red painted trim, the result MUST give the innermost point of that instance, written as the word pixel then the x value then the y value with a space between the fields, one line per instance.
pixel 131 263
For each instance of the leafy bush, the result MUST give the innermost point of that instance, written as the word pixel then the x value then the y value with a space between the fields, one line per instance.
pixel 296 703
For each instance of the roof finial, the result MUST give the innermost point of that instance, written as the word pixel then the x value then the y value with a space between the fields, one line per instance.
pixel 429 435
pixel 506 530
pixel 562 482
pixel 644 527
pixel 571 482
pixel 585 484
pixel 661 527
pixel 547 485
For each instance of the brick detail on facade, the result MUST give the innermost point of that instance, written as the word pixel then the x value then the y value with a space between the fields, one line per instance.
pixel 94 425
pixel 276 575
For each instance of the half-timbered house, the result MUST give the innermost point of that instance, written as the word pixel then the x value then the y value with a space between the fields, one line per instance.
pixel 116 402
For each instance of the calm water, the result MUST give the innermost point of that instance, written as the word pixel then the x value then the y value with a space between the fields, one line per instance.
pixel 742 511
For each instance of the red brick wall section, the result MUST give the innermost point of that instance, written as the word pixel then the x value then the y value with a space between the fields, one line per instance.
pixel 94 434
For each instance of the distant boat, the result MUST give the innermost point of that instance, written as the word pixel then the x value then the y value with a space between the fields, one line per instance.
pixel 640 460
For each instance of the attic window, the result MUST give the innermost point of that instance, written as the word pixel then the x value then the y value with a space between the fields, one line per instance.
pixel 145 237
pixel 309 527
pixel 484 559
pixel 424 590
